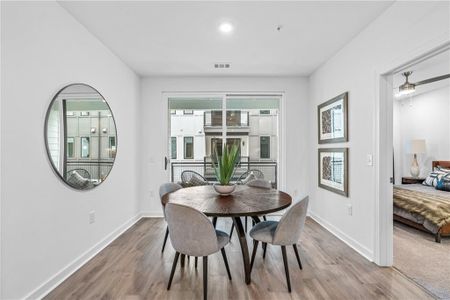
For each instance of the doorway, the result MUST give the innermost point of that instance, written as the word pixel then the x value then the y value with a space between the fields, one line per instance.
pixel 413 97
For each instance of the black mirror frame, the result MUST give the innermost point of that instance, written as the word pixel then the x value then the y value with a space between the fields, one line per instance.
pixel 47 114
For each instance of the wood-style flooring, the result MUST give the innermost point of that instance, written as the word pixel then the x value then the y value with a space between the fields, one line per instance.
pixel 133 267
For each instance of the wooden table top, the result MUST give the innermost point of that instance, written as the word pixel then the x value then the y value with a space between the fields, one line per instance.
pixel 244 201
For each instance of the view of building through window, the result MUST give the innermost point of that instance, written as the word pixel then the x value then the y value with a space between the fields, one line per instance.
pixel 197 131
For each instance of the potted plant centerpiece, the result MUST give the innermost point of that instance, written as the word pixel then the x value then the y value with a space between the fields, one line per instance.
pixel 224 167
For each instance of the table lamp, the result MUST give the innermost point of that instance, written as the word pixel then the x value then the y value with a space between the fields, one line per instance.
pixel 416 147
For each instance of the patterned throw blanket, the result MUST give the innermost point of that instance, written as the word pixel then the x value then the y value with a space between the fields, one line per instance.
pixel 433 207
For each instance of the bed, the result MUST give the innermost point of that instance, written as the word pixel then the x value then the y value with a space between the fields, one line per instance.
pixel 424 207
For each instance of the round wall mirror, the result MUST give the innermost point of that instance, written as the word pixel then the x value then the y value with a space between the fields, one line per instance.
pixel 81 136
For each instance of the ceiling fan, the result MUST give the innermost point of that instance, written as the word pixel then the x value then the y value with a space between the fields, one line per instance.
pixel 409 87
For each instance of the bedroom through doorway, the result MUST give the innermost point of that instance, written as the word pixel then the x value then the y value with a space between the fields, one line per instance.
pixel 421 172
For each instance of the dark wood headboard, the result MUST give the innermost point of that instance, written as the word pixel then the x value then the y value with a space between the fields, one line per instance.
pixel 441 163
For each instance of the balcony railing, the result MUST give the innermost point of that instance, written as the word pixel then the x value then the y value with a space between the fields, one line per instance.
pixel 97 169
pixel 269 169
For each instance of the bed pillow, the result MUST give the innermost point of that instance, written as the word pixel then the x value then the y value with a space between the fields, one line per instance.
pixel 443 183
pixel 433 177
pixel 446 170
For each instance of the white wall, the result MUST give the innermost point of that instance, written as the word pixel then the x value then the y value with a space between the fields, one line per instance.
pixel 154 126
pixel 403 28
pixel 425 116
pixel 44 223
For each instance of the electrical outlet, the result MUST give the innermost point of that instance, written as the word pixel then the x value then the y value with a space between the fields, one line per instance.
pixel 152 193
pixel 295 192
pixel 349 209
pixel 369 159
pixel 92 217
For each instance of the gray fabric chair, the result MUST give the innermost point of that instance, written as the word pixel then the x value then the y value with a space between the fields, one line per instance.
pixel 258 183
pixel 283 233
pixel 166 188
pixel 193 234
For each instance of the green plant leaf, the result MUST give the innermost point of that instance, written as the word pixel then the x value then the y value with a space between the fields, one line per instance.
pixel 225 166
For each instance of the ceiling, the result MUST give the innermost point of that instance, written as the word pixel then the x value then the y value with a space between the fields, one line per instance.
pixel 431 67
pixel 182 38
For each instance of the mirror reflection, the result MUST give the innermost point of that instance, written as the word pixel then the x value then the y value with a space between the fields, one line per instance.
pixel 81 136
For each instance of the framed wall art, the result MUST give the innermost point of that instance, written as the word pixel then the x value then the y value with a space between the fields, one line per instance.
pixel 333 170
pixel 333 119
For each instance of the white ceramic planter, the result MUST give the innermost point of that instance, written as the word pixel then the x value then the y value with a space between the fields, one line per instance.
pixel 224 190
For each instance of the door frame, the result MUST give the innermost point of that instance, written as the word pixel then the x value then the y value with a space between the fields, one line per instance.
pixel 281 161
pixel 383 238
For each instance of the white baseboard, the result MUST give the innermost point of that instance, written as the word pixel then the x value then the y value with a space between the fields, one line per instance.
pixel 72 267
pixel 364 251
pixel 152 214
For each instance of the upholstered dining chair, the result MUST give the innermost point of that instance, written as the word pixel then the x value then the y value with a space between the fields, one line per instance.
pixel 166 188
pixel 193 234
pixel 258 183
pixel 284 233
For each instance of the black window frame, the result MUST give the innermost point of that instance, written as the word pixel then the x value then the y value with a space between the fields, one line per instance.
pixel 73 147
pixel 185 148
pixel 89 146
pixel 172 139
pixel 261 147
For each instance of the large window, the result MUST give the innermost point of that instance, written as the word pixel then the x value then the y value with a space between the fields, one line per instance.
pixel 210 121
pixel 85 147
pixel 70 147
pixel 188 147
pixel 264 144
pixel 173 147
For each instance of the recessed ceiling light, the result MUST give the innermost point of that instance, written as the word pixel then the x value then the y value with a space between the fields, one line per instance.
pixel 226 27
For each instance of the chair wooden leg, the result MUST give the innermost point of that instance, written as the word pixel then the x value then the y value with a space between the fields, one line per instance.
pixel 437 237
pixel 264 250
pixel 182 260
pixel 214 221
pixel 298 257
pixel 245 224
pixel 225 260
pixel 286 267
pixel 165 239
pixel 264 218
pixel 174 266
pixel 196 260
pixel 205 277
pixel 231 231
pixel 255 247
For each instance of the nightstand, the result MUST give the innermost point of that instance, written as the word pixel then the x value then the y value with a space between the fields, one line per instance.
pixel 412 180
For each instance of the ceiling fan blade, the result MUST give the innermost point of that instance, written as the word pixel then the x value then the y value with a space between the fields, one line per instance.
pixel 430 80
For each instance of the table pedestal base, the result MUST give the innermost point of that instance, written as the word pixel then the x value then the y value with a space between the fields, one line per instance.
pixel 244 247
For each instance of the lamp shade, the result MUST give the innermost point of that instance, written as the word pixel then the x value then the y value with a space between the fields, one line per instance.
pixel 417 147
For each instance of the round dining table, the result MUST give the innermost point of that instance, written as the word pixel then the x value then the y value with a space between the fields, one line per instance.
pixel 245 201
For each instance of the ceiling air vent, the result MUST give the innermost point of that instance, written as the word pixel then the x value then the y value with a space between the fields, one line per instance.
pixel 222 65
